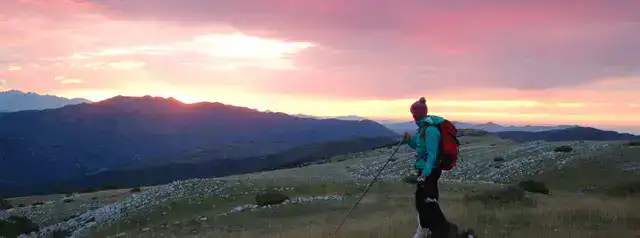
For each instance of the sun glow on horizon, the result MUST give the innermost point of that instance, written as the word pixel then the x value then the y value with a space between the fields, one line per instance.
pixel 513 111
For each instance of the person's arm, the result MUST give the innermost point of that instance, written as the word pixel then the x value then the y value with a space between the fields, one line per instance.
pixel 411 141
pixel 432 146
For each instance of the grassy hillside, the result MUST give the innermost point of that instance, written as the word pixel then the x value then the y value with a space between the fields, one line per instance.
pixel 205 163
pixel 592 195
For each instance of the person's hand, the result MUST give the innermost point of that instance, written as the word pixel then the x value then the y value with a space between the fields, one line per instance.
pixel 405 137
pixel 421 179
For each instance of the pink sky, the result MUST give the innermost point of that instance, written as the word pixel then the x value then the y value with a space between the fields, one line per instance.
pixel 515 62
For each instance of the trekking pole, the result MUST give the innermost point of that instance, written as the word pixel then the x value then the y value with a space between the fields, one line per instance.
pixel 367 189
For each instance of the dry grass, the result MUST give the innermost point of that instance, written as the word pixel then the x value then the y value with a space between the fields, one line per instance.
pixel 561 217
pixel 388 212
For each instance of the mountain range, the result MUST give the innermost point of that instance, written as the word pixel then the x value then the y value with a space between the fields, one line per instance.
pixel 401 127
pixel 14 100
pixel 346 118
pixel 567 134
pixel 76 140
pixel 132 141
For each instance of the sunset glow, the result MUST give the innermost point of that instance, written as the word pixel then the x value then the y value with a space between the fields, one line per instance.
pixel 526 62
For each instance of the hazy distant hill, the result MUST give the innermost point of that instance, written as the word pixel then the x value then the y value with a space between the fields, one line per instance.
pixel 346 118
pixel 400 127
pixel 569 134
pixel 493 127
pixel 14 100
pixel 78 139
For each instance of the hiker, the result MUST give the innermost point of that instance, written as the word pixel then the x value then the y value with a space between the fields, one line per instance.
pixel 427 145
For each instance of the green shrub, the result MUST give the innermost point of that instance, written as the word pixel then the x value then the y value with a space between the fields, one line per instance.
pixel 633 143
pixel 270 198
pixel 563 148
pixel 534 187
pixel 135 190
pixel 4 204
pixel 498 159
pixel 15 226
pixel 37 203
pixel 67 200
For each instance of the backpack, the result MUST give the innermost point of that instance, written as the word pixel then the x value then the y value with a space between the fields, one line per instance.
pixel 449 144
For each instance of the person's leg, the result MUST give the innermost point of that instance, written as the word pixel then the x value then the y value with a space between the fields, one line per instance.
pixel 419 198
pixel 431 215
pixel 420 232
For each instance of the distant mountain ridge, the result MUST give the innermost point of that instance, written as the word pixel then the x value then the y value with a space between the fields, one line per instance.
pixel 14 100
pixel 74 140
pixel 401 127
pixel 345 118
pixel 568 134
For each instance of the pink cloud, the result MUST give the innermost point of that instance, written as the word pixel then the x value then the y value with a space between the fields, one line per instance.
pixel 328 50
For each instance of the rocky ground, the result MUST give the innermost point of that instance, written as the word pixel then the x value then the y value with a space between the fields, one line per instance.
pixel 483 160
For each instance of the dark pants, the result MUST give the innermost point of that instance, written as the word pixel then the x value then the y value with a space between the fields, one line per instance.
pixel 429 211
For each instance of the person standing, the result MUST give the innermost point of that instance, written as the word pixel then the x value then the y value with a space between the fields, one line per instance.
pixel 426 142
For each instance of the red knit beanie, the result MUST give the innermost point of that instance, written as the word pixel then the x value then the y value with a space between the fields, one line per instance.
pixel 419 108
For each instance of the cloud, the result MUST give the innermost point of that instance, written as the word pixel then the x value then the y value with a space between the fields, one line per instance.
pixel 522 45
pixel 14 68
pixel 95 65
pixel 538 57
pixel 127 65
pixel 65 80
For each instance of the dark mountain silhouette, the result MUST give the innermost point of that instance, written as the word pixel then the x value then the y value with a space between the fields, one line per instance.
pixel 14 100
pixel 569 134
pixel 74 140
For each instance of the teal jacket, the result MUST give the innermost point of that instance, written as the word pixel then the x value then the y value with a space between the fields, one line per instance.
pixel 429 148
